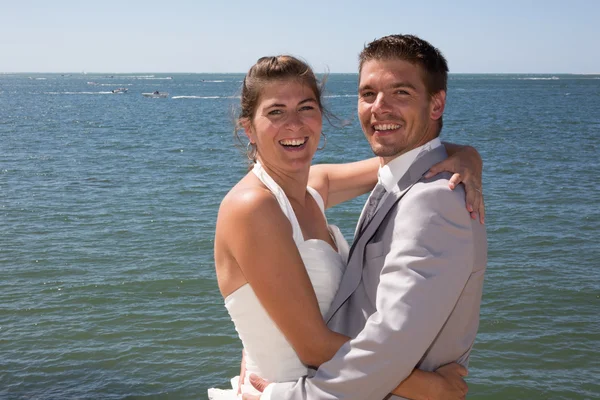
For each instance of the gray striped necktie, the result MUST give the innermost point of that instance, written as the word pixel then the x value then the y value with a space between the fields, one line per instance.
pixel 372 203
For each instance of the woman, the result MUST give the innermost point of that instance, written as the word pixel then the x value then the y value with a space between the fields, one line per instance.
pixel 278 262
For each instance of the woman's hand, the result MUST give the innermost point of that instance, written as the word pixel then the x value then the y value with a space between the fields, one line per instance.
pixel 450 384
pixel 467 166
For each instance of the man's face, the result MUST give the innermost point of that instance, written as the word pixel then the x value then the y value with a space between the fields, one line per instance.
pixel 395 110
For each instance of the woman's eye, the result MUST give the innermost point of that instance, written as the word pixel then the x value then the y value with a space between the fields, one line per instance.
pixel 275 112
pixel 307 108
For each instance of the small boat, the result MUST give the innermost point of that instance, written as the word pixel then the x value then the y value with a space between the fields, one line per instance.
pixel 119 90
pixel 156 94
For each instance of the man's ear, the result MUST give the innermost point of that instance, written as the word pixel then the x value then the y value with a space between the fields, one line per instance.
pixel 438 103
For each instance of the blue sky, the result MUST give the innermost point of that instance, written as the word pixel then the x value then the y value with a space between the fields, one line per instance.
pixel 229 35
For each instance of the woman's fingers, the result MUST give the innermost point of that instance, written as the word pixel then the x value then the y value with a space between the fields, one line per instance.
pixel 470 179
pixel 449 165
pixel 455 180
pixel 475 203
pixel 481 208
pixel 259 383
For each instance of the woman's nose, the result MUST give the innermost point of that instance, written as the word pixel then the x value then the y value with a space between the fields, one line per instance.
pixel 293 121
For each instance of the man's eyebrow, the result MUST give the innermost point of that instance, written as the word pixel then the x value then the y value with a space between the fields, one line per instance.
pixel 396 85
pixel 403 85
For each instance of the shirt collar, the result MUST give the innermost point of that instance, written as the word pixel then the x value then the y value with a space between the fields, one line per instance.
pixel 390 174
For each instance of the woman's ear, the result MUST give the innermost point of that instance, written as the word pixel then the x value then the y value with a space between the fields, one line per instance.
pixel 438 103
pixel 247 125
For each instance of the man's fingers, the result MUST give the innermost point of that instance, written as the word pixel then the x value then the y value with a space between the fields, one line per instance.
pixel 462 371
pixel 259 383
pixel 453 368
pixel 464 387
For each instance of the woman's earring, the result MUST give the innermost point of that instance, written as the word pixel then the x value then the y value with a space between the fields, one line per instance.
pixel 324 142
pixel 251 151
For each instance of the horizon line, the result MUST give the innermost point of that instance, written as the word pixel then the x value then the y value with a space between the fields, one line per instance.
pixel 243 73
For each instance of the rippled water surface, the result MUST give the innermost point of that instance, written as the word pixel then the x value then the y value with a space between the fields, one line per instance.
pixel 107 211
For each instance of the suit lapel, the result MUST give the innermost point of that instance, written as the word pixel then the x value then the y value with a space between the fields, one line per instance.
pixel 353 273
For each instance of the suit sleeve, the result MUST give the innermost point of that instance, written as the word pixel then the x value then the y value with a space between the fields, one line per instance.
pixel 423 275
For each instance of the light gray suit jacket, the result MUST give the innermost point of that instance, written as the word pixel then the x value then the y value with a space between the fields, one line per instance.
pixel 410 295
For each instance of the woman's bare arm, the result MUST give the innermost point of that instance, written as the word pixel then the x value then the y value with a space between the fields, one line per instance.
pixel 257 236
pixel 338 183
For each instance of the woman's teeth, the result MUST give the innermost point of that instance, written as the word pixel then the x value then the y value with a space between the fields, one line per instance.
pixel 293 142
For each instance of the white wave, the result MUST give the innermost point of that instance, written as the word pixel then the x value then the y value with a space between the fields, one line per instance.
pixel 168 78
pixel 109 84
pixel 554 78
pixel 218 81
pixel 340 95
pixel 196 97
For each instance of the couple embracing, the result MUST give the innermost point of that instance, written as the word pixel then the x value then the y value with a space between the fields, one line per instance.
pixel 396 313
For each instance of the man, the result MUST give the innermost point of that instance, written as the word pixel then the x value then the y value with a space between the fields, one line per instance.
pixel 411 293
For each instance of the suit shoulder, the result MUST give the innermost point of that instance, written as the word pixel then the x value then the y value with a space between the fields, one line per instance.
pixel 438 186
pixel 434 197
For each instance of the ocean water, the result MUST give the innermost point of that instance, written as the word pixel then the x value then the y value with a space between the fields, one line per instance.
pixel 107 211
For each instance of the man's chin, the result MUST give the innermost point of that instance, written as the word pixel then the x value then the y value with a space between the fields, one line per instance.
pixel 386 152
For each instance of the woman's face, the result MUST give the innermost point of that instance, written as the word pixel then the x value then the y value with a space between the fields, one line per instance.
pixel 286 126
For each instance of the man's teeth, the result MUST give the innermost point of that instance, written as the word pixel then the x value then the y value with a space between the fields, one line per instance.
pixel 386 127
pixel 293 142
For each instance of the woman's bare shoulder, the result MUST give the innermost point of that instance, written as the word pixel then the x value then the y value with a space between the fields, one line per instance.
pixel 248 211
pixel 247 197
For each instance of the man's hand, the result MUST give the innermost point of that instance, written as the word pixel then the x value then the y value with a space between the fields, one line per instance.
pixel 452 384
pixel 259 384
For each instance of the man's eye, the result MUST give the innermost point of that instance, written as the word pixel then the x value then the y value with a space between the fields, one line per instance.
pixel 275 112
pixel 368 94
pixel 402 92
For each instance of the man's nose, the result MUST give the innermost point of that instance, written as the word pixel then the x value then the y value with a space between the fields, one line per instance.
pixel 381 104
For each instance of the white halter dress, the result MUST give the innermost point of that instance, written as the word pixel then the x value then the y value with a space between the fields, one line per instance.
pixel 267 353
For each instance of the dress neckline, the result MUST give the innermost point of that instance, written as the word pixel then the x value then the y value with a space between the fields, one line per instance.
pixel 285 204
